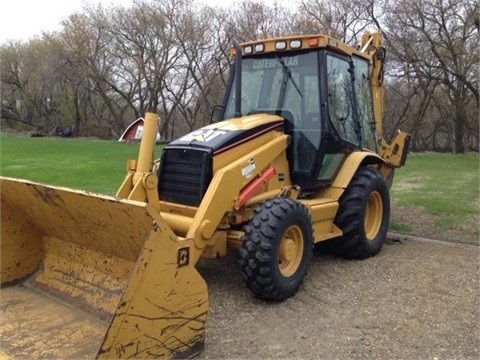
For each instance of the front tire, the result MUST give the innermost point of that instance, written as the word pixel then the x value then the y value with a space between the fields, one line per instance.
pixel 363 216
pixel 277 249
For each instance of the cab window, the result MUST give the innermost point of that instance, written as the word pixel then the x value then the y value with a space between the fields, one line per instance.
pixel 341 99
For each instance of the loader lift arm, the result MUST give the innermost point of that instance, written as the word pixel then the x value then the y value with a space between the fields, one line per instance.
pixel 181 253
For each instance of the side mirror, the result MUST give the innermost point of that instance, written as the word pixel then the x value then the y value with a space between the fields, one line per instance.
pixel 216 113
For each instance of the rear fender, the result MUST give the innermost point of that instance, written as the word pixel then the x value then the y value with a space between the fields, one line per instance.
pixel 351 165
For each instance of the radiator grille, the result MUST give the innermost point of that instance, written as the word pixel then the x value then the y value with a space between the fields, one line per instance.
pixel 184 175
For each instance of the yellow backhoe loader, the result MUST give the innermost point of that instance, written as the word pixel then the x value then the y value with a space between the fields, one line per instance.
pixel 296 158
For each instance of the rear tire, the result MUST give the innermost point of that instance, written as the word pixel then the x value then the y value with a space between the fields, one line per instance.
pixel 277 249
pixel 363 216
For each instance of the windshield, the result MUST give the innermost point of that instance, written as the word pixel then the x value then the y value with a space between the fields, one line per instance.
pixel 279 82
pixel 287 85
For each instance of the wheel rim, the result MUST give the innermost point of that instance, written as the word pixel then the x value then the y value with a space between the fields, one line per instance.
pixel 290 252
pixel 373 215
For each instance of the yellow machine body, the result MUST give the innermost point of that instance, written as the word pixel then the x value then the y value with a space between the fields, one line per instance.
pixel 86 275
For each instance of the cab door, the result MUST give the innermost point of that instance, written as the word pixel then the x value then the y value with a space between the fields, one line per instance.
pixel 350 123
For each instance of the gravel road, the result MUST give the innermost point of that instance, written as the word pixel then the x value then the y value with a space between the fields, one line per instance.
pixel 417 299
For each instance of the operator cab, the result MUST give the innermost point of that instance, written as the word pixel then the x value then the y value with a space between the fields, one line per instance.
pixel 323 95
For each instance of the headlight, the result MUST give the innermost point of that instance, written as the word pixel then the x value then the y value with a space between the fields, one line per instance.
pixel 295 44
pixel 259 48
pixel 281 45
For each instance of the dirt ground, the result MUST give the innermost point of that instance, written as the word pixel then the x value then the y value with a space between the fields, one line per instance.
pixel 424 224
pixel 417 299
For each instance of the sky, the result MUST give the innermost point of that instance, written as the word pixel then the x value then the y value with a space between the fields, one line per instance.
pixel 24 19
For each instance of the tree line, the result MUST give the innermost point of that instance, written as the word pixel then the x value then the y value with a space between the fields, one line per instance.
pixel 107 65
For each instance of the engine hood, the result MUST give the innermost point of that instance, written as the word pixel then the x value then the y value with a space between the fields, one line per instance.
pixel 226 134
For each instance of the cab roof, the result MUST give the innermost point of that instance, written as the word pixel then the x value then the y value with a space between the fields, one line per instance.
pixel 300 42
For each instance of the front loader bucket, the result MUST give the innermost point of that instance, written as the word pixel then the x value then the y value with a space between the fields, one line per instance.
pixel 87 276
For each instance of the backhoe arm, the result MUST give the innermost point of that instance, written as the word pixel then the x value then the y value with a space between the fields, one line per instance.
pixel 372 45
pixel 395 153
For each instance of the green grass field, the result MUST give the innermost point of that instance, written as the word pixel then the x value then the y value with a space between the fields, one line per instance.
pixel 92 165
pixel 439 195
pixel 434 195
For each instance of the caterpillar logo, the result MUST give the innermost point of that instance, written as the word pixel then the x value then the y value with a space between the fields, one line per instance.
pixel 274 63
pixel 183 256
pixel 204 135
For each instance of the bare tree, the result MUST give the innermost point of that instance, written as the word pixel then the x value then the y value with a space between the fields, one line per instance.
pixel 108 66
pixel 30 84
pixel 437 40
pixel 86 48
pixel 345 20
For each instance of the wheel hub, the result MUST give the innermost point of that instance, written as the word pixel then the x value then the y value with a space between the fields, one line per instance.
pixel 290 251
pixel 287 251
pixel 373 215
